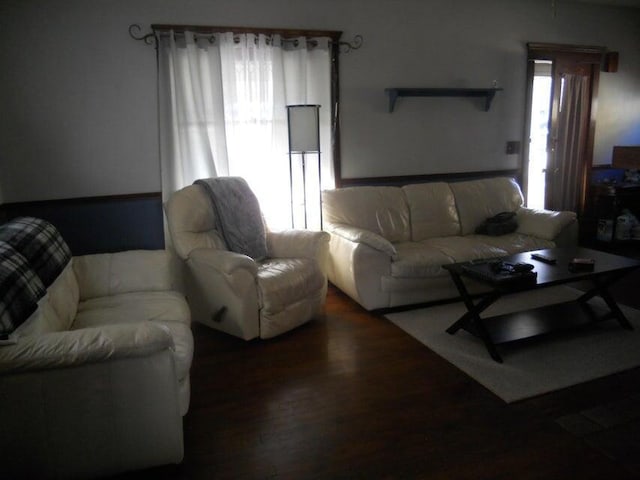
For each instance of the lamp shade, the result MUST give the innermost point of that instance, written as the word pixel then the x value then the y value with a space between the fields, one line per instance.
pixel 626 157
pixel 304 128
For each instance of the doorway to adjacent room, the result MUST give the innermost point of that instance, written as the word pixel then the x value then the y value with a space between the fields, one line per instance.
pixel 562 89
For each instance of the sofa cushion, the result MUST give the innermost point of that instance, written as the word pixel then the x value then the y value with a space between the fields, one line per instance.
pixel 43 320
pixel 382 210
pixel 132 307
pixel 284 281
pixel 425 259
pixel 433 210
pixel 64 296
pixel 514 242
pixel 165 308
pixel 106 274
pixel 464 249
pixel 415 260
pixel 478 200
pixel 57 309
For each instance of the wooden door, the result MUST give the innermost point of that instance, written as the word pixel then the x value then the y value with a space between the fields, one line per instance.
pixel 569 144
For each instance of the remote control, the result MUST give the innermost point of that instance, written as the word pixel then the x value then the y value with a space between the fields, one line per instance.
pixel 543 258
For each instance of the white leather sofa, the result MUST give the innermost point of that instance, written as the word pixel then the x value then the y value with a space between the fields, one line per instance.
pixel 98 379
pixel 232 292
pixel 388 244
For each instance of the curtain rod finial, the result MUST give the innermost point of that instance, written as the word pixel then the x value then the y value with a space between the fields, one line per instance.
pixel 134 32
pixel 353 45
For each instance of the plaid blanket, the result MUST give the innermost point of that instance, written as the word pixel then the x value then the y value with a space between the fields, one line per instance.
pixel 40 243
pixel 20 289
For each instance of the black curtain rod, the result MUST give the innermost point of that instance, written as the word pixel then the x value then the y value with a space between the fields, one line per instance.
pixel 288 35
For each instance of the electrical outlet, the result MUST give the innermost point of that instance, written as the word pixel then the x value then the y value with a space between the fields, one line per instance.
pixel 513 147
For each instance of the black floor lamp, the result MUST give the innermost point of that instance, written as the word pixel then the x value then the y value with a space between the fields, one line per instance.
pixel 304 138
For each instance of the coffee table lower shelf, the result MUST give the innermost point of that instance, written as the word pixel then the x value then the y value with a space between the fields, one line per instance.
pixel 526 324
pixel 606 270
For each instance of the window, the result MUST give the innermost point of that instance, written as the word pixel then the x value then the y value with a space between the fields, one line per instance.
pixel 223 98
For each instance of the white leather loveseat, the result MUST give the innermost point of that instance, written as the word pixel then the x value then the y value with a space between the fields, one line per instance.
pixel 97 380
pixel 388 244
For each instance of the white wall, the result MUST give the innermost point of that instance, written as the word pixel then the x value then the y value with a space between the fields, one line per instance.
pixel 78 95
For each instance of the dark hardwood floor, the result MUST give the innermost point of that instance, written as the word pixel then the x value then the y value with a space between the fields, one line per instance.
pixel 351 396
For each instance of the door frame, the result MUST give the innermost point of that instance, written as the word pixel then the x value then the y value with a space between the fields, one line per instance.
pixel 592 55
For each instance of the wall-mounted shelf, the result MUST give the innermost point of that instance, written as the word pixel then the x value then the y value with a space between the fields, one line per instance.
pixel 486 93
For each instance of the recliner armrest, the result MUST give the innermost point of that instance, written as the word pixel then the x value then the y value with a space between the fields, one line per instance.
pixel 224 261
pixel 87 345
pixel 298 244
pixel 359 235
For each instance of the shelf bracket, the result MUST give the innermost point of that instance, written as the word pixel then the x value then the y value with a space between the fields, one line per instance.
pixel 393 96
pixel 489 98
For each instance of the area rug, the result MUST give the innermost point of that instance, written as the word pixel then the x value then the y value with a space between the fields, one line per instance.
pixel 531 367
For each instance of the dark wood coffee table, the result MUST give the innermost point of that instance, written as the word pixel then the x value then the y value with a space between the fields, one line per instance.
pixel 500 329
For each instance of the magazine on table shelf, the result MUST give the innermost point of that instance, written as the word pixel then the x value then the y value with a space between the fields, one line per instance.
pixel 501 273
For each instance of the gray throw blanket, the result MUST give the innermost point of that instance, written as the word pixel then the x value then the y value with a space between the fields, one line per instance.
pixel 238 216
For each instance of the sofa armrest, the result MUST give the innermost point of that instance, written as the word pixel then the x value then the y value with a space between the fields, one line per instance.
pixel 87 345
pixel 359 235
pixel 357 268
pixel 545 224
pixel 106 274
pixel 92 419
pixel 298 244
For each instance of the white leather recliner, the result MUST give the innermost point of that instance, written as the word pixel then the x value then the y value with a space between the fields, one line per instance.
pixel 236 294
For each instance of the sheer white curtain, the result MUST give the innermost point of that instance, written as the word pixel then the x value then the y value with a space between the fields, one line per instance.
pixel 222 107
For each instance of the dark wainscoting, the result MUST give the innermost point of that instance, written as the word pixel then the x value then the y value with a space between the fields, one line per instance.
pixel 439 177
pixel 100 224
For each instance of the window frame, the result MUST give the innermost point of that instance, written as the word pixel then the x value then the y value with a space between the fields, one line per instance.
pixel 286 34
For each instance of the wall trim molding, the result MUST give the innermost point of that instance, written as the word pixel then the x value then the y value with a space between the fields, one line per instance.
pixel 436 177
pixel 99 224
pixel 80 200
